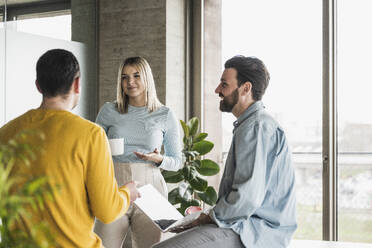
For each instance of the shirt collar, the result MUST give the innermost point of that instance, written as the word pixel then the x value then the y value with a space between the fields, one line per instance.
pixel 248 112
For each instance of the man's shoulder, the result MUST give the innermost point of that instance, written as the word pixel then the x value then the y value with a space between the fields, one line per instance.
pixel 82 124
pixel 36 119
pixel 13 126
pixel 262 119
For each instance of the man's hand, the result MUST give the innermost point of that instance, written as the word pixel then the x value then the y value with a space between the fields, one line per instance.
pixel 154 156
pixel 202 220
pixel 132 187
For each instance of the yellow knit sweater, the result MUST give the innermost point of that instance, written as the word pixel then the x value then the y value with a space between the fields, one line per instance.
pixel 75 156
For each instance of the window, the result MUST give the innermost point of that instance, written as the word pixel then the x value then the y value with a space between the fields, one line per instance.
pixel 287 36
pixel 289 43
pixel 32 28
pixel 55 24
pixel 354 121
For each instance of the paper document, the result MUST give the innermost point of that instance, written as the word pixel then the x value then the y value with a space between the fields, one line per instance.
pixel 163 214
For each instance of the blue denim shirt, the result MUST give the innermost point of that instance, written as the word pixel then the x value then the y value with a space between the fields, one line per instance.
pixel 257 196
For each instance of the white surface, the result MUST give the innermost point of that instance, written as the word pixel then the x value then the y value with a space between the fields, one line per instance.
pixel 23 51
pixel 116 146
pixel 326 244
pixel 155 206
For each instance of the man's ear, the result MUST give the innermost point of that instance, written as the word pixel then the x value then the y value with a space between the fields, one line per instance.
pixel 246 87
pixel 38 87
pixel 76 85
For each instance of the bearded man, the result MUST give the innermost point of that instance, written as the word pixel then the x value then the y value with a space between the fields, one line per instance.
pixel 256 200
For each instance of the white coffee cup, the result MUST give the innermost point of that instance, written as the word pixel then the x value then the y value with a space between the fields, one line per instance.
pixel 116 146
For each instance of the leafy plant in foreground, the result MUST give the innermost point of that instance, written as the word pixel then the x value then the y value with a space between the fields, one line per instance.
pixel 193 188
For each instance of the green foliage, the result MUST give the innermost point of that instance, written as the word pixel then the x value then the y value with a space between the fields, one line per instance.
pixel 20 194
pixel 209 196
pixel 202 147
pixel 208 168
pixel 192 187
pixel 173 176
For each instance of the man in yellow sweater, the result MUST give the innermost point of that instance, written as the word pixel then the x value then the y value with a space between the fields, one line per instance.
pixel 76 156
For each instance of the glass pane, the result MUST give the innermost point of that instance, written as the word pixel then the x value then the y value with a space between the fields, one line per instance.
pixel 21 93
pixel 355 120
pixel 289 42
pixel 41 32
pixel 51 24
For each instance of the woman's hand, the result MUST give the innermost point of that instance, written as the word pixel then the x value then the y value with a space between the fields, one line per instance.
pixel 154 156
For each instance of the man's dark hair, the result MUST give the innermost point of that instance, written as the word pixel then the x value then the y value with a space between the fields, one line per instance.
pixel 253 70
pixel 55 72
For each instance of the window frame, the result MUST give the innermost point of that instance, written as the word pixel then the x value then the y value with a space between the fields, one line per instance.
pixel 330 149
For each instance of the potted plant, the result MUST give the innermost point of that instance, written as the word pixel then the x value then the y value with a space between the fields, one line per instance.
pixel 20 195
pixel 193 187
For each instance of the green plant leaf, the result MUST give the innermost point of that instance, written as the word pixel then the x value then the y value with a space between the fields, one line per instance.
pixel 186 130
pixel 181 210
pixel 20 192
pixel 208 168
pixel 172 176
pixel 209 196
pixel 194 202
pixel 200 137
pixel 185 191
pixel 198 184
pixel 174 196
pixel 193 124
pixel 192 154
pixel 196 163
pixel 186 204
pixel 203 147
pixel 188 173
pixel 35 185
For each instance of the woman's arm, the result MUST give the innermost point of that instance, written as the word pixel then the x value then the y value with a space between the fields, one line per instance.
pixel 102 118
pixel 172 159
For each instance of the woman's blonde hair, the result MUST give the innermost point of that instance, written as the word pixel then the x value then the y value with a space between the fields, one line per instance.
pixel 144 69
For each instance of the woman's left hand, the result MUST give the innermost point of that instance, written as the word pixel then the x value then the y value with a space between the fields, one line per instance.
pixel 154 156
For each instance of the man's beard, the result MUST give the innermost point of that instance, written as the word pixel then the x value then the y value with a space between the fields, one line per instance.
pixel 228 102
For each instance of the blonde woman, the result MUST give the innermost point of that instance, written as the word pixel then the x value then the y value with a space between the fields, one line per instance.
pixel 143 124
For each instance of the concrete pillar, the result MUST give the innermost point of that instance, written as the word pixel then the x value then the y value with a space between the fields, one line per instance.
pixel 175 96
pixel 148 28
pixel 83 29
pixel 212 73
